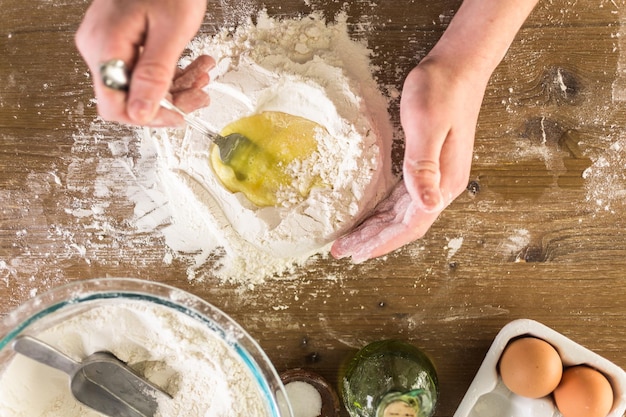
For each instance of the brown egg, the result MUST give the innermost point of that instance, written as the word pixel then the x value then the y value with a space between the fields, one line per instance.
pixel 583 392
pixel 530 367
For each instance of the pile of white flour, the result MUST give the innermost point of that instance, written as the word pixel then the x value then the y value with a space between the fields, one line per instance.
pixel 185 358
pixel 308 68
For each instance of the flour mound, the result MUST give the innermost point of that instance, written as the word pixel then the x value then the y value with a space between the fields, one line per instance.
pixel 308 68
pixel 189 360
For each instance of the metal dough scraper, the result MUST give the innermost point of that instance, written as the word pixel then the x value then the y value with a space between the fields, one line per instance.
pixel 101 381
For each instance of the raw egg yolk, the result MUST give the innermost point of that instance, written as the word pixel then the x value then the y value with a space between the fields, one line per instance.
pixel 583 392
pixel 530 367
pixel 264 169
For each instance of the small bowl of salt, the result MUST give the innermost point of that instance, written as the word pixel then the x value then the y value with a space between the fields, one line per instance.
pixel 309 394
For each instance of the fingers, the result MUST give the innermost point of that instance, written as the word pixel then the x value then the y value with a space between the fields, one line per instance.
pixel 190 100
pixel 423 178
pixel 365 241
pixel 361 248
pixel 149 37
pixel 395 222
pixel 155 67
pixel 186 92
pixel 195 75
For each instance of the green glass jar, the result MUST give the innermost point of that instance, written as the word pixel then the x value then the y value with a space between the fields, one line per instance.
pixel 389 378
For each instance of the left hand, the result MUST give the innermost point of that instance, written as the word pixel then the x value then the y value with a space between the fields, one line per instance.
pixel 439 111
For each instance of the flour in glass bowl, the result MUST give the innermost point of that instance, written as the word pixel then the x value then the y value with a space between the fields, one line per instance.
pixel 202 373
pixel 306 67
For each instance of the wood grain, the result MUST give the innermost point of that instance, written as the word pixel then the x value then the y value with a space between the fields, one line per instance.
pixel 540 229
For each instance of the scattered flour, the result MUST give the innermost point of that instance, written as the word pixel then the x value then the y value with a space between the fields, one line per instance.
pixel 453 246
pixel 606 178
pixel 304 67
pixel 518 240
pixel 187 359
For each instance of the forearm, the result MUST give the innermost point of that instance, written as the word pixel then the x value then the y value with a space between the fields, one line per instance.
pixel 480 34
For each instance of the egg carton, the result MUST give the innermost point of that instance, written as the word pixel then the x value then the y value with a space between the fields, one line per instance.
pixel 487 395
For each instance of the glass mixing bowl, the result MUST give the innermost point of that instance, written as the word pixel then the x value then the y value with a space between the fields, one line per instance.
pixel 63 304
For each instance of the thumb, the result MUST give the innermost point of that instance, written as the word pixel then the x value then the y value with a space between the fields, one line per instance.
pixel 421 168
pixel 155 67
pixel 150 82
pixel 423 181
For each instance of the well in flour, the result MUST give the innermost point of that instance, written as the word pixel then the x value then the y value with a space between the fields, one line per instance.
pixel 305 67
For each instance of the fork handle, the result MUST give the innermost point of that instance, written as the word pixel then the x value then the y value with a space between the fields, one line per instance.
pixel 115 75
pixel 189 119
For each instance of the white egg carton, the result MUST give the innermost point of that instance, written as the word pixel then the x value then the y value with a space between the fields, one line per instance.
pixel 487 396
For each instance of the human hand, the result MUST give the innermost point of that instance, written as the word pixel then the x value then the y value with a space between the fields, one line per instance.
pixel 149 36
pixel 438 111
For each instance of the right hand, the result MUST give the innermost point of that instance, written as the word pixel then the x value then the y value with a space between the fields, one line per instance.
pixel 149 36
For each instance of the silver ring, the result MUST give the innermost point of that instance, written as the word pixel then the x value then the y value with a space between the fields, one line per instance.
pixel 115 75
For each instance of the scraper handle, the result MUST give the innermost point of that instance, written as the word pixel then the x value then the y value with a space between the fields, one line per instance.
pixel 43 353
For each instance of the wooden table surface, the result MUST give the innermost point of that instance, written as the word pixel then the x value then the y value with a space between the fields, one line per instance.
pixel 539 234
